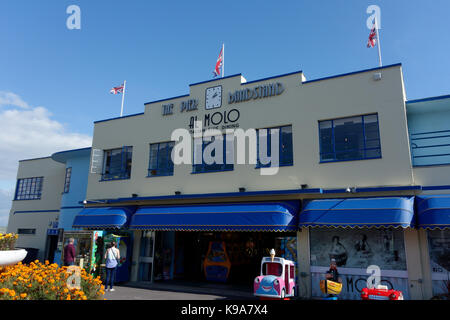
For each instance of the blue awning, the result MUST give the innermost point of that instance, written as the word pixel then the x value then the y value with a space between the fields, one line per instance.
pixel 261 216
pixel 433 211
pixel 103 218
pixel 358 212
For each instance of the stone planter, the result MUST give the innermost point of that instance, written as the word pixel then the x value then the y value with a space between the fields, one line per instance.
pixel 10 257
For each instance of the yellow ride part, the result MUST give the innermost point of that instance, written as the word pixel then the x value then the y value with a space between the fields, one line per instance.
pixel 330 287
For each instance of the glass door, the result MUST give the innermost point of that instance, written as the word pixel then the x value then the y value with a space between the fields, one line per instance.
pixel 146 256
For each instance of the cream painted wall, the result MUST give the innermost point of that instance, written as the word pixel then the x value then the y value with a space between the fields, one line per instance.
pixel 433 176
pixel 302 105
pixel 53 173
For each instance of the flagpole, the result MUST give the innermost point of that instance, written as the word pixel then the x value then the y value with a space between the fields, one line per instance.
pixel 223 59
pixel 378 40
pixel 123 97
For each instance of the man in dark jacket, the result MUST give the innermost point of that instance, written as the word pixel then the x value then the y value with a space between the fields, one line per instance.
pixel 69 253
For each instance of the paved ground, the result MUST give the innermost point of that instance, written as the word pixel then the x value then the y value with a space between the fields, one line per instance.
pixel 177 291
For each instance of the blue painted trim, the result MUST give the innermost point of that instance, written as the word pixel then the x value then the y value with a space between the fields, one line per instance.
pixel 36 211
pixel 72 207
pixel 35 159
pixel 444 187
pixel 217 79
pixel 431 132
pixel 73 150
pixel 130 115
pixel 185 95
pixel 209 171
pixel 356 159
pixel 352 73
pixel 159 175
pixel 273 77
pixel 375 189
pixel 113 179
pixel 213 195
pixel 429 99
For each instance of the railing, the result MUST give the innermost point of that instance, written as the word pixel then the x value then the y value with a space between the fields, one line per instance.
pixel 430 148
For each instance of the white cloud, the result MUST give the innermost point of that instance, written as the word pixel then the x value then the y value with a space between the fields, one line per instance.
pixel 28 132
pixel 12 99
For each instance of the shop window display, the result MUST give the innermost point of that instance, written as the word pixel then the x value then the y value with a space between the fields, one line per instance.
pixel 439 248
pixel 354 250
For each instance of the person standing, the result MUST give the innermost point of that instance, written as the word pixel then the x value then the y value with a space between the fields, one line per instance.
pixel 112 257
pixel 333 275
pixel 69 253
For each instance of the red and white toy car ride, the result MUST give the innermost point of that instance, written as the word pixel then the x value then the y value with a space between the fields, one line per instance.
pixel 381 293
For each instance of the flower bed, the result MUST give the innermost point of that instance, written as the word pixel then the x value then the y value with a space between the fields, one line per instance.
pixel 7 241
pixel 38 281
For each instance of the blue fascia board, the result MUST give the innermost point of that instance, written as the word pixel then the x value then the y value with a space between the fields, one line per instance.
pixel 428 99
pixel 273 77
pixel 352 73
pixel 217 79
pixel 444 187
pixel 257 193
pixel 130 115
pixel 212 195
pixel 173 98
pixel 375 189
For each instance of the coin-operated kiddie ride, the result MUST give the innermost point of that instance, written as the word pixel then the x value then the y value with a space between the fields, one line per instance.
pixel 277 279
pixel 217 264
pixel 331 288
pixel 381 293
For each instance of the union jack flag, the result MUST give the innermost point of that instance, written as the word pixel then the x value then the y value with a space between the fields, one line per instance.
pixel 219 63
pixel 372 38
pixel 117 90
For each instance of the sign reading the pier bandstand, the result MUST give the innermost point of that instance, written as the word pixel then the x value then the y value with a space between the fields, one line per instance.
pixel 243 95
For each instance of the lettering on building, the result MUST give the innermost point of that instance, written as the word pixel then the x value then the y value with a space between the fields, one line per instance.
pixel 258 92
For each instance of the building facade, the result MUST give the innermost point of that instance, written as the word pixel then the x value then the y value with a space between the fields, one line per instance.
pixel 35 208
pixel 342 167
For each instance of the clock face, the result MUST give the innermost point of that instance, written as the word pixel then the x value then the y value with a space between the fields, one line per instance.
pixel 213 97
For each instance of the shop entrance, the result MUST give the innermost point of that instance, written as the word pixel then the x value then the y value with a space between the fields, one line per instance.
pixel 240 263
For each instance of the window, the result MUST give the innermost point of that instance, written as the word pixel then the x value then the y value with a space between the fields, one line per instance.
pixel 272 268
pixel 353 138
pixel 285 146
pixel 67 180
pixel 29 188
pixel 160 162
pixel 117 164
pixel 214 167
pixel 26 231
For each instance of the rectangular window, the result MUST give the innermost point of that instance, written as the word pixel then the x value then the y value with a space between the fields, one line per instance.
pixel 67 180
pixel 285 145
pixel 117 163
pixel 212 167
pixel 352 138
pixel 29 188
pixel 160 162
pixel 26 231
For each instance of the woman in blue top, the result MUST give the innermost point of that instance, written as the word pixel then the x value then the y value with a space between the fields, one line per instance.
pixel 112 257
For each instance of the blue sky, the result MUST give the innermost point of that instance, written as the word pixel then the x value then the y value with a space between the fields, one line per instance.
pixel 59 79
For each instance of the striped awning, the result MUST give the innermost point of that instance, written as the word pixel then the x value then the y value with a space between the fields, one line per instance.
pixel 359 212
pixel 103 218
pixel 261 216
pixel 433 211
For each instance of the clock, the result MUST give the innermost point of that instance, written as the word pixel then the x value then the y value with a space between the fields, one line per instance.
pixel 213 97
